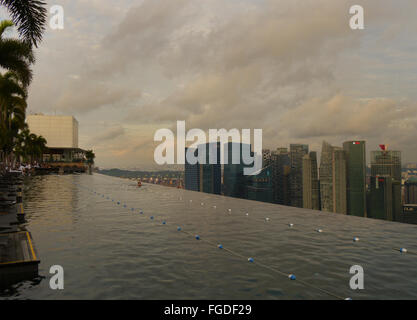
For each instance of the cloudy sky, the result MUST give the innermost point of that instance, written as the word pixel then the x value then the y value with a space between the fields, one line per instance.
pixel 125 68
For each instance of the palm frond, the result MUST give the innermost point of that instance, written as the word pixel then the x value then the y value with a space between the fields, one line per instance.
pixel 17 55
pixel 29 17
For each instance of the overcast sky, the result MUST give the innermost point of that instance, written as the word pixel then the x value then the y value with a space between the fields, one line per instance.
pixel 125 68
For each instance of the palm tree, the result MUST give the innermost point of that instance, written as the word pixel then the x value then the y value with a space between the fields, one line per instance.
pixel 90 156
pixel 12 111
pixel 29 16
pixel 39 148
pixel 29 146
pixel 16 55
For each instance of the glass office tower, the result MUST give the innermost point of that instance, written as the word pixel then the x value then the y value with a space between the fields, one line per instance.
pixel 260 187
pixel 356 177
pixel 281 169
pixel 297 152
pixel 311 188
pixel 191 173
pixel 333 179
pixel 380 203
pixel 211 171
pixel 234 180
pixel 387 163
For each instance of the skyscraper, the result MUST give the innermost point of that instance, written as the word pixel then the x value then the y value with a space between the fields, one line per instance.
pixel 211 171
pixel 333 179
pixel 266 157
pixel 410 191
pixel 260 186
pixel 281 168
pixel 192 173
pixel 234 180
pixel 204 177
pixel 311 188
pixel 387 164
pixel 297 152
pixel 356 177
pixel 380 199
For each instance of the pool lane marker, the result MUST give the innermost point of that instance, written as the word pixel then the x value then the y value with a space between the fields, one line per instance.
pixel 290 276
pixel 355 239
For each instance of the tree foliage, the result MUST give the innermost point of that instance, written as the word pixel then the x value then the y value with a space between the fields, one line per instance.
pixel 29 17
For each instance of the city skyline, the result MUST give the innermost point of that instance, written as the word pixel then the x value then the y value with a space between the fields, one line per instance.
pixel 339 183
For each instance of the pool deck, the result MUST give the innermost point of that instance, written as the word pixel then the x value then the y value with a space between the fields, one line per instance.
pixel 18 258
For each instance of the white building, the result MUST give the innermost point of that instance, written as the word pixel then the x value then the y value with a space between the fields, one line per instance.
pixel 59 131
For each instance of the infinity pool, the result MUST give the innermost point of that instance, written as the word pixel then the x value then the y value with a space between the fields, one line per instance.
pixel 109 251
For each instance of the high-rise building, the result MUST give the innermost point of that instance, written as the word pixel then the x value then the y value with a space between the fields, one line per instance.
pixel 339 181
pixel 59 131
pixel 410 191
pixel 409 214
pixel 260 186
pixel 380 198
pixel 211 171
pixel 266 157
pixel 281 168
pixel 234 180
pixel 356 177
pixel 311 188
pixel 333 179
pixel 191 173
pixel 297 152
pixel 204 177
pixel 387 163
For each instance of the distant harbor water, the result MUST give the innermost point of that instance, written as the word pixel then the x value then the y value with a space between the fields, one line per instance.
pixel 109 251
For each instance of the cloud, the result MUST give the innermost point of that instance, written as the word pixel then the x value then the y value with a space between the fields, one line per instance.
pixel 84 95
pixel 291 67
pixel 343 116
pixel 110 134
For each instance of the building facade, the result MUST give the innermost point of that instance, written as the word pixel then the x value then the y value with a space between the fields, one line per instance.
pixel 311 187
pixel 211 171
pixel 260 186
pixel 191 173
pixel 266 157
pixel 356 177
pixel 61 134
pixel 387 164
pixel 297 152
pixel 281 169
pixel 234 180
pixel 333 179
pixel 380 199
pixel 59 131
pixel 410 191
